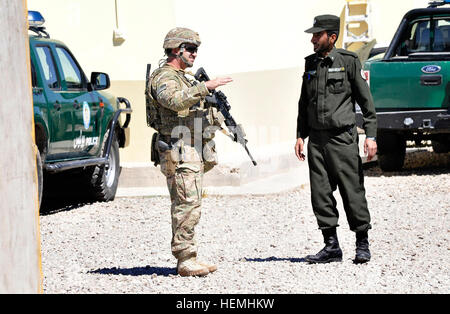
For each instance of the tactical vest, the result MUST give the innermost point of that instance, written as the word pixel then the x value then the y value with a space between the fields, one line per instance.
pixel 164 119
pixel 153 120
pixel 151 105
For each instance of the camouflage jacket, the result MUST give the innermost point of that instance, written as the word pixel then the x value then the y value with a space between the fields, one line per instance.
pixel 179 99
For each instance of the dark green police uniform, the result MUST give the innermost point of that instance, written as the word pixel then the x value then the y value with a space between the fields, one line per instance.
pixel 330 88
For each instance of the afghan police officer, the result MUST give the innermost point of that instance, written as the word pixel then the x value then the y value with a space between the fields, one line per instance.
pixel 332 82
pixel 184 147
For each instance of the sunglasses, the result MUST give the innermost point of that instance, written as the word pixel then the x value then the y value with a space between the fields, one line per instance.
pixel 191 49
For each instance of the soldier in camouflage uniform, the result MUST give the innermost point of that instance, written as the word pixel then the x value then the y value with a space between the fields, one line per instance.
pixel 185 126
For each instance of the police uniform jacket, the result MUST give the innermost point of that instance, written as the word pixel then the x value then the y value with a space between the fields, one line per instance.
pixel 330 88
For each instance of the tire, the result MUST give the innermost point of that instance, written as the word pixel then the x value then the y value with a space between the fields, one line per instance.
pixel 391 151
pixel 441 144
pixel 40 175
pixel 104 179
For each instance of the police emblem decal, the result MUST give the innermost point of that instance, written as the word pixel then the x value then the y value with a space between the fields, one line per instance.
pixel 86 115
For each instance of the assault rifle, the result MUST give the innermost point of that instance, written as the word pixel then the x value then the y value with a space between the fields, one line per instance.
pixel 219 100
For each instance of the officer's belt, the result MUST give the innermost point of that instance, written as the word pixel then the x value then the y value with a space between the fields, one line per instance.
pixel 335 131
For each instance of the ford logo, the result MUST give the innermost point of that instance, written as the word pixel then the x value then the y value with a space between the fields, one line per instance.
pixel 431 69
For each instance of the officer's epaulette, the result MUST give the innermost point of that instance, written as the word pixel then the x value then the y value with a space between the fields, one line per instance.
pixel 346 52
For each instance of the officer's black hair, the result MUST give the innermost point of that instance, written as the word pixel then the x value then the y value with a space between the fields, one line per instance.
pixel 329 33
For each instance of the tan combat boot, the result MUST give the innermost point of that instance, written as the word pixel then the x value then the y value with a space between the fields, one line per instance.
pixel 211 268
pixel 190 267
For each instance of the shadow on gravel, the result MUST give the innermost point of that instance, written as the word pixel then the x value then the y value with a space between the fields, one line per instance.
pixel 136 271
pixel 420 163
pixel 54 205
pixel 276 259
pixel 63 192
pixel 422 171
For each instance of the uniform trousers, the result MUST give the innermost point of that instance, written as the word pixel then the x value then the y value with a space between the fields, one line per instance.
pixel 334 162
pixel 185 183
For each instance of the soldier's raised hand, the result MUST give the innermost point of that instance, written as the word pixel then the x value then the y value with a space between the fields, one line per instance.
pixel 218 81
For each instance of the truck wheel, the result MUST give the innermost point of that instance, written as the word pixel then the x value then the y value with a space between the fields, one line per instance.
pixel 391 151
pixel 441 144
pixel 104 179
pixel 40 177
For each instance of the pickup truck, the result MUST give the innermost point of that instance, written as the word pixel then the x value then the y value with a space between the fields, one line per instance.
pixel 410 85
pixel 77 125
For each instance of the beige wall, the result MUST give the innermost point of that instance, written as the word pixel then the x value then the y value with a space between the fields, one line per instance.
pixel 87 27
pixel 238 35
pixel 260 43
pixel 20 264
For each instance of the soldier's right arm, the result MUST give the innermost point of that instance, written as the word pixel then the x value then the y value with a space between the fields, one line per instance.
pixel 171 95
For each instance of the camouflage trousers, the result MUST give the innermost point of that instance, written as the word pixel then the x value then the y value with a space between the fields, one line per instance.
pixel 185 183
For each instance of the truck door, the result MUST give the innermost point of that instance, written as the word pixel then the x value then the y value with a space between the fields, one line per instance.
pixel 59 114
pixel 416 77
pixel 76 94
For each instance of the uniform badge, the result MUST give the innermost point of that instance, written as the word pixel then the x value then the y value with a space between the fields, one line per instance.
pixel 334 70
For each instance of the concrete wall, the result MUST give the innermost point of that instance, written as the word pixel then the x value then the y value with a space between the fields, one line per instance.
pixel 260 43
pixel 20 265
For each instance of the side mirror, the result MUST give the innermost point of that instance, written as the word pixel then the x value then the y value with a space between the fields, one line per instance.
pixel 100 80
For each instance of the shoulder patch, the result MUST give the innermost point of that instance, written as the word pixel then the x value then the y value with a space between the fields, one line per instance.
pixel 364 75
pixel 161 88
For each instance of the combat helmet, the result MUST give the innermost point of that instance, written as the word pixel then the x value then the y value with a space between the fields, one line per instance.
pixel 180 35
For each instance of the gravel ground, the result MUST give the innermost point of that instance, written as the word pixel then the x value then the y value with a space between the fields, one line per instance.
pixel 258 242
